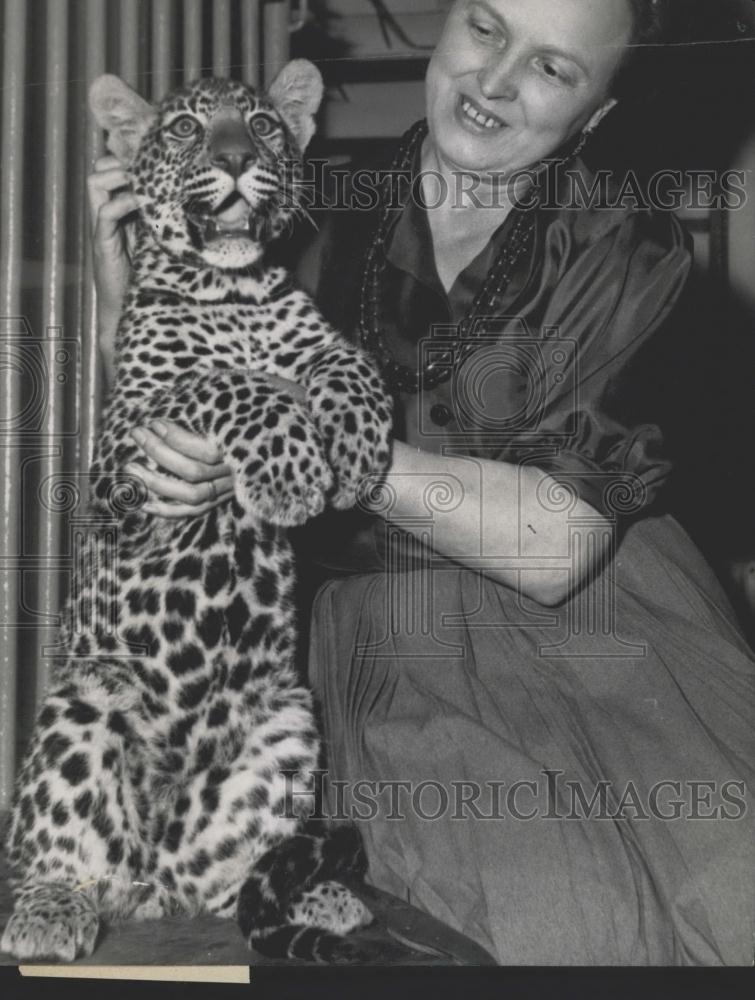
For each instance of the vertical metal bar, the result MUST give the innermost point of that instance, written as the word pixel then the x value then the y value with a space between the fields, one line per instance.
pixel 91 374
pixel 192 40
pixel 11 222
pixel 250 42
pixel 221 37
pixel 53 290
pixel 128 41
pixel 162 47
pixel 275 38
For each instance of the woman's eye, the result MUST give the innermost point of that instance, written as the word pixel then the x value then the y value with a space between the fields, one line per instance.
pixel 482 30
pixel 552 72
pixel 264 126
pixel 184 127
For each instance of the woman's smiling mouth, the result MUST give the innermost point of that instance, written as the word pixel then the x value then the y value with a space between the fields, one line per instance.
pixel 471 114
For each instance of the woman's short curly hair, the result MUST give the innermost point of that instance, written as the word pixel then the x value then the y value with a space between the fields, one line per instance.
pixel 650 24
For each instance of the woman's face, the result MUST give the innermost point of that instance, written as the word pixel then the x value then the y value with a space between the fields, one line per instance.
pixel 512 80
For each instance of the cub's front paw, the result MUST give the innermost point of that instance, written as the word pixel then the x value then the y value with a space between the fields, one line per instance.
pixel 286 479
pixel 356 464
pixel 293 505
pixel 51 921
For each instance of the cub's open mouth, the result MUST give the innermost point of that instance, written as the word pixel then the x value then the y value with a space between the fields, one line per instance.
pixel 232 220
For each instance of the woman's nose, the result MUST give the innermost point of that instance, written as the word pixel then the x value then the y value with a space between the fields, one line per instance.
pixel 498 78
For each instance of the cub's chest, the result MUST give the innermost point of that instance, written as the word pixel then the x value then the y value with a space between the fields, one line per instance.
pixel 237 335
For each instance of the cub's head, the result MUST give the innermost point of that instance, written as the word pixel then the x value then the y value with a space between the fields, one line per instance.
pixel 214 165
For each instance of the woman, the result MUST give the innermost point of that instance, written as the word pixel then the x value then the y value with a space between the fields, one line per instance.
pixel 539 666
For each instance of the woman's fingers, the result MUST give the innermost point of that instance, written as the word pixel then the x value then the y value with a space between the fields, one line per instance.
pixel 189 470
pixel 101 186
pixel 191 456
pixel 110 197
pixel 174 511
pixel 167 488
pixel 110 203
pixel 113 211
pixel 106 162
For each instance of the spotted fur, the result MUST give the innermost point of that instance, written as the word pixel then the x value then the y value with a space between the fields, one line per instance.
pixel 156 779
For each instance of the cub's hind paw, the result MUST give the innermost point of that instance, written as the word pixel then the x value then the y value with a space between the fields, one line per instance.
pixel 51 921
pixel 330 906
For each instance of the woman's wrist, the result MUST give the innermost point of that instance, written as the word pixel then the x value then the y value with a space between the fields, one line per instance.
pixel 402 490
pixel 385 486
pixel 107 326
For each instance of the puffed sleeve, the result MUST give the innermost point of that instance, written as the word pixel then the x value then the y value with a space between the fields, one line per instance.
pixel 607 288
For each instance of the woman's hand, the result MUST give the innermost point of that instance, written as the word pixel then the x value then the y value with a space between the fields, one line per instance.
pixel 110 203
pixel 204 480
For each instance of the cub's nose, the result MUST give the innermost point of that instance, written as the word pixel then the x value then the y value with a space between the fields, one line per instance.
pixel 231 148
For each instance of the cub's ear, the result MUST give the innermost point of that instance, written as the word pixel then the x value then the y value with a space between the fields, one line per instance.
pixel 297 93
pixel 124 115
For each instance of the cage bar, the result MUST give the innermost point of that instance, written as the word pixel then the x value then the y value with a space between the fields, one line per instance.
pixel 128 41
pixel 53 320
pixel 163 30
pixel 91 374
pixel 192 54
pixel 11 228
pixel 221 38
pixel 275 37
pixel 250 42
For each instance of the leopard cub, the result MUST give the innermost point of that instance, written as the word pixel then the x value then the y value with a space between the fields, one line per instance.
pixel 159 778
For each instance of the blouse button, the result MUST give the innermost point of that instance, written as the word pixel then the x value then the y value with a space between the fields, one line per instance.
pixel 440 415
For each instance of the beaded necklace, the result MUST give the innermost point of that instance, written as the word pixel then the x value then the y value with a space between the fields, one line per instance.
pixel 440 369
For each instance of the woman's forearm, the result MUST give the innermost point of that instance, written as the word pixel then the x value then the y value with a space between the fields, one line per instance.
pixel 107 325
pixel 111 202
pixel 491 516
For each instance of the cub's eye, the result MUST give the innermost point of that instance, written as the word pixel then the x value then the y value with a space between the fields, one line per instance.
pixel 264 126
pixel 184 127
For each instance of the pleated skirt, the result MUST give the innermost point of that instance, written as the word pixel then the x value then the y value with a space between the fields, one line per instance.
pixel 566 786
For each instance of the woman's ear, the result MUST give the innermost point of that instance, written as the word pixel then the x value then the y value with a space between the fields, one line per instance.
pixel 124 115
pixel 600 114
pixel 297 93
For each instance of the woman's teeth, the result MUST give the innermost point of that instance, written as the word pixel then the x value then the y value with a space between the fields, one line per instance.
pixel 485 121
